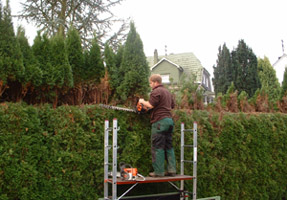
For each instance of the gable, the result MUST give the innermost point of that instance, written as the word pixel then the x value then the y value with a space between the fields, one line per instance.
pixel 187 61
pixel 165 61
pixel 168 70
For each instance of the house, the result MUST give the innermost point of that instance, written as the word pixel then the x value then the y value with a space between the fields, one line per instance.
pixel 279 66
pixel 172 67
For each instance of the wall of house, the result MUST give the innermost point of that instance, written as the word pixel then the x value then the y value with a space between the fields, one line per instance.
pixel 206 83
pixel 166 68
pixel 279 67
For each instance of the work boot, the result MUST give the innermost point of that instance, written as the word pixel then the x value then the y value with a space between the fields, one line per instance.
pixel 169 174
pixel 152 174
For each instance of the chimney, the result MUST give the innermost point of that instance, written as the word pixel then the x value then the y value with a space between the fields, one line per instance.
pixel 155 57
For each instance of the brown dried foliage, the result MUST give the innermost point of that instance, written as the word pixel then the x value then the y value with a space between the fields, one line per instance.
pixel 282 105
pixel 231 103
pixel 218 105
pixel 262 104
pixel 245 106
pixel 198 104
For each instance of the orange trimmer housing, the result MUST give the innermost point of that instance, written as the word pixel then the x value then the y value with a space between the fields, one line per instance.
pixel 133 171
pixel 140 108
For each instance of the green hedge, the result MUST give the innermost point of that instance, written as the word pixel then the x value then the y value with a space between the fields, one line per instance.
pixel 48 153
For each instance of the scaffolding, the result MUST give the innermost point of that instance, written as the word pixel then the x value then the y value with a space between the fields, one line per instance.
pixel 115 181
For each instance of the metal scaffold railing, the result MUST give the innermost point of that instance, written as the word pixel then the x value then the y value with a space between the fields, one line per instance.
pixel 114 180
pixel 194 161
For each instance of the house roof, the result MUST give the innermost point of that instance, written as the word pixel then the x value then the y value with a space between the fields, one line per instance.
pixel 188 61
pixel 164 59
pixel 279 59
pixel 279 66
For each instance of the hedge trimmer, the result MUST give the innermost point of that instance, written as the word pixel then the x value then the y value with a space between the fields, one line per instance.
pixel 139 108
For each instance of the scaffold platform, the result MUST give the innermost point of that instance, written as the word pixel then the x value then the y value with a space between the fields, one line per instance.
pixel 152 180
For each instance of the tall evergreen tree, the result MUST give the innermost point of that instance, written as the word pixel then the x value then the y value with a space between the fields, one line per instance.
pixel 110 60
pixel 284 84
pixel 75 54
pixel 223 71
pixel 62 69
pixel 62 72
pixel 11 61
pixel 246 74
pixel 134 66
pixel 42 51
pixel 33 73
pixel 119 59
pixel 94 66
pixel 3 75
pixel 268 79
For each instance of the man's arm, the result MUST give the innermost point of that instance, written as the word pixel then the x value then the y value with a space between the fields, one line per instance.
pixel 145 103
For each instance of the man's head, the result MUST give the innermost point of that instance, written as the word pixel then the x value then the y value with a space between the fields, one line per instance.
pixel 155 80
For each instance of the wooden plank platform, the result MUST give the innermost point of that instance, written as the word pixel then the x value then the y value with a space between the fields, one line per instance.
pixel 152 179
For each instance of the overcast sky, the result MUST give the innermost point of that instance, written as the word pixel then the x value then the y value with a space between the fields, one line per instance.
pixel 201 26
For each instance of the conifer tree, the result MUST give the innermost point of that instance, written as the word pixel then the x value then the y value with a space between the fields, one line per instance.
pixel 245 65
pixel 33 73
pixel 75 54
pixel 59 59
pixel 42 51
pixel 118 60
pixel 110 60
pixel 11 61
pixel 3 75
pixel 268 79
pixel 94 66
pixel 223 71
pixel 119 56
pixel 134 66
pixel 62 72
pixel 284 84
pixel 88 17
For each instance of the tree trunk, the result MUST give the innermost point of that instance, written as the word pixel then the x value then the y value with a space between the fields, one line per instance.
pixel 63 18
pixel 55 103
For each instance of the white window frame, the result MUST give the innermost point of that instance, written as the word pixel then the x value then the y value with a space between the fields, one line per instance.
pixel 165 78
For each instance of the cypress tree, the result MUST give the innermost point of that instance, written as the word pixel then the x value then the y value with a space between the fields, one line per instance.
pixel 223 71
pixel 59 59
pixel 3 75
pixel 134 66
pixel 268 79
pixel 94 66
pixel 33 73
pixel 119 59
pixel 284 84
pixel 110 60
pixel 119 56
pixel 75 54
pixel 62 72
pixel 11 61
pixel 42 51
pixel 246 74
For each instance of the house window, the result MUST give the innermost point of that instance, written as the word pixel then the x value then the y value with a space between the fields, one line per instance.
pixel 165 78
pixel 206 81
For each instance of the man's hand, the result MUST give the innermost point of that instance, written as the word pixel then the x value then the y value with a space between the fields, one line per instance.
pixel 145 103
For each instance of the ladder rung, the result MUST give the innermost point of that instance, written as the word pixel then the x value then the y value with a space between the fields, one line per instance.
pixel 188 161
pixel 108 163
pixel 188 130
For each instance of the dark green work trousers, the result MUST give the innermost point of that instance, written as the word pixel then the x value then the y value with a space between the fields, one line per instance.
pixel 161 146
